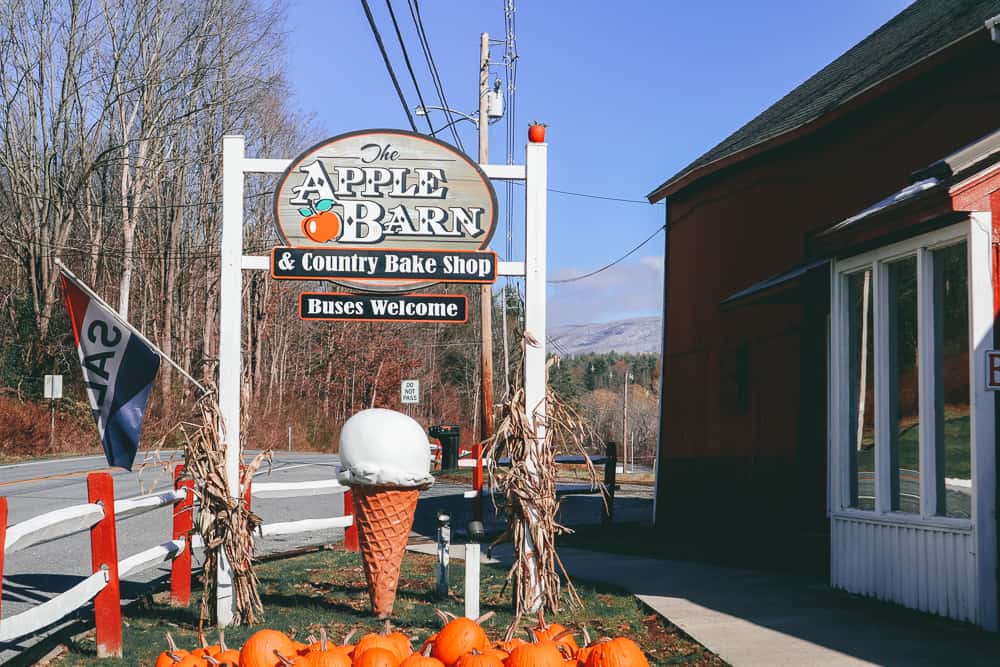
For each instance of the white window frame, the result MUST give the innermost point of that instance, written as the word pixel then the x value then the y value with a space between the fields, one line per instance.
pixel 976 236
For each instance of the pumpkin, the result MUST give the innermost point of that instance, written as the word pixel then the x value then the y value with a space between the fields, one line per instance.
pixel 192 660
pixel 262 647
pixel 172 655
pixel 540 654
pixel 508 646
pixel 458 637
pixel 618 652
pixel 396 642
pixel 588 646
pixel 324 644
pixel 325 659
pixel 169 658
pixel 536 132
pixel 475 658
pixel 556 633
pixel 427 643
pixel 228 658
pixel 225 657
pixel 205 649
pixel 325 654
pixel 422 659
pixel 377 656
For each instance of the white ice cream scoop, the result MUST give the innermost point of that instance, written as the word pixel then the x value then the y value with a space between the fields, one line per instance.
pixel 384 447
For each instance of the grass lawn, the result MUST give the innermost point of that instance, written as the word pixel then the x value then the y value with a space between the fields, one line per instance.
pixel 327 589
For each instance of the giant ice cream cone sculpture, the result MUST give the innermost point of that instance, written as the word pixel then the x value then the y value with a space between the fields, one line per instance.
pixel 386 461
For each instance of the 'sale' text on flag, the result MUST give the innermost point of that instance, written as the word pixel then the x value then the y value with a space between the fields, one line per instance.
pixel 118 372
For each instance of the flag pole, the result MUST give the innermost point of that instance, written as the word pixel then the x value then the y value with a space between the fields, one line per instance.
pixel 93 295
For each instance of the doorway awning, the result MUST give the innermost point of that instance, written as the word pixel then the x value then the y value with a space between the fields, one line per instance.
pixel 775 288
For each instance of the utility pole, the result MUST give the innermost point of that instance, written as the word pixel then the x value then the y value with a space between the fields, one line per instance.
pixel 627 377
pixel 485 291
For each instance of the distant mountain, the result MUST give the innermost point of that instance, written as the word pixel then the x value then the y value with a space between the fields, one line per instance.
pixel 633 336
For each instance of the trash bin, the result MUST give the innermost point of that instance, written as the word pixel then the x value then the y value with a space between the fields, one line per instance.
pixel 448 436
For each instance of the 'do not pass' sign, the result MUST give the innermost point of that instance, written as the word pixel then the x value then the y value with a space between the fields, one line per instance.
pixel 385 211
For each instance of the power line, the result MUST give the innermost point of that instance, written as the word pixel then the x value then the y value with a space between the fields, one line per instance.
pixel 388 64
pixel 601 197
pixel 409 66
pixel 435 76
pixel 610 264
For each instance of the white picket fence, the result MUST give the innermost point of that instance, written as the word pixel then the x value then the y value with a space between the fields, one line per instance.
pixel 108 570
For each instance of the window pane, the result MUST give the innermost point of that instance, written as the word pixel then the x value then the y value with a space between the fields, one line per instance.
pixel 904 403
pixel 861 378
pixel 954 446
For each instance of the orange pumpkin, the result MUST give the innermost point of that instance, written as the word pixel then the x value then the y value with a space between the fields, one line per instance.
pixel 227 658
pixel 172 655
pixel 557 633
pixel 508 646
pixel 618 652
pixel 458 637
pixel 325 654
pixel 476 658
pixel 168 658
pixel 377 656
pixel 326 659
pixel 540 654
pixel 396 642
pixel 192 660
pixel 262 647
pixel 422 659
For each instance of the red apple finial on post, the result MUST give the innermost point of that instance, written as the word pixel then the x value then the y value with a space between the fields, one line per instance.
pixel 536 132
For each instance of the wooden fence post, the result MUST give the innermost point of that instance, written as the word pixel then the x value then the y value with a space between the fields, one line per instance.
pixel 180 568
pixel 610 470
pixel 104 556
pixel 3 539
pixel 351 532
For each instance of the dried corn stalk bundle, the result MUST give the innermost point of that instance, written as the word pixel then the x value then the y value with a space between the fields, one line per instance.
pixel 528 487
pixel 226 524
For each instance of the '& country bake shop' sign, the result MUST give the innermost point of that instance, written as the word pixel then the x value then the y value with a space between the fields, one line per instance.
pixel 385 211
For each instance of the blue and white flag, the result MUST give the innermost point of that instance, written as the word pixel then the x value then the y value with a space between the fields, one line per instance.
pixel 118 370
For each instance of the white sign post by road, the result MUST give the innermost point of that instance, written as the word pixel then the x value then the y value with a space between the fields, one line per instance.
pixel 53 386
pixel 410 391
pixel 53 390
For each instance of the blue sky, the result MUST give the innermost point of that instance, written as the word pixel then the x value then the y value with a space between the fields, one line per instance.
pixel 631 92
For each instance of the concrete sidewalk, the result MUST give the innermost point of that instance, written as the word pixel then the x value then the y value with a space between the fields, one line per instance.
pixel 754 618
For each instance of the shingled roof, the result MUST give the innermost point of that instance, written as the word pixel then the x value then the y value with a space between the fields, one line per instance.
pixel 919 31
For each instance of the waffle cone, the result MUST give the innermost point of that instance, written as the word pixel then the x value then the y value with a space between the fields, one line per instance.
pixel 384 516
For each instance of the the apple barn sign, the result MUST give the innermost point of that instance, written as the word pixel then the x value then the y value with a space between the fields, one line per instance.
pixel 384 211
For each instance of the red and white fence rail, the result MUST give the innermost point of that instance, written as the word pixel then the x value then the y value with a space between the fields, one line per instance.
pixel 99 516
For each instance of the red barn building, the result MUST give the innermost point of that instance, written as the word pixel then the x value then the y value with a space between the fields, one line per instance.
pixel 829 301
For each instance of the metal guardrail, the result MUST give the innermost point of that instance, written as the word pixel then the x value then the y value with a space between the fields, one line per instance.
pixel 607 488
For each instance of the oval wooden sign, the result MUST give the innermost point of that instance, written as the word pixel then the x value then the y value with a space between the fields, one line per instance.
pixel 385 189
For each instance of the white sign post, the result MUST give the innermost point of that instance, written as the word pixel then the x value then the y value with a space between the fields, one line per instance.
pixel 53 386
pixel 410 391
pixel 235 167
pixel 53 391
